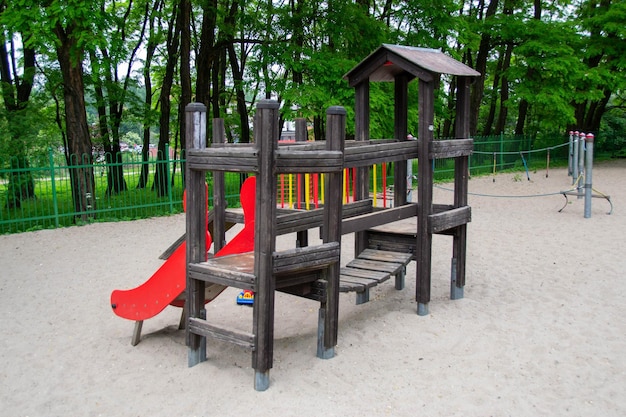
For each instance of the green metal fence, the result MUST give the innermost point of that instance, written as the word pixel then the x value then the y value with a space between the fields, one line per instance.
pixel 49 203
pixel 493 154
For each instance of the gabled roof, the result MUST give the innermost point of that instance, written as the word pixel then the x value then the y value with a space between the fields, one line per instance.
pixel 390 60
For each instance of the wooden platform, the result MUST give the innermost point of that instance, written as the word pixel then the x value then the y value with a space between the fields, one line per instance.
pixel 371 268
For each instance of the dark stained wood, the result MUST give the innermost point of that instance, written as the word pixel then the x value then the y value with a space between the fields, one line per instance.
pixel 308 258
pixel 219 192
pixel 449 219
pixel 335 140
pixel 390 267
pixel 451 148
pixel 386 256
pixel 461 177
pixel 201 327
pixel 376 218
pixel 302 136
pixel 297 161
pixel 369 154
pixel 231 271
pixel 401 97
pixel 266 132
pixel 425 192
pixel 195 226
pixel 231 159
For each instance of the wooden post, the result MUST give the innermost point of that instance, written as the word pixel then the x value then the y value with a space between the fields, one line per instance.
pixel 401 103
pixel 302 237
pixel 329 310
pixel 425 196
pixel 219 192
pixel 266 135
pixel 461 188
pixel 195 138
pixel 362 133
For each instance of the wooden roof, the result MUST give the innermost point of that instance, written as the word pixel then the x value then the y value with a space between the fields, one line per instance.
pixel 388 61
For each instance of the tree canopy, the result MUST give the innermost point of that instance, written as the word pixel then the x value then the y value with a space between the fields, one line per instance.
pixel 90 72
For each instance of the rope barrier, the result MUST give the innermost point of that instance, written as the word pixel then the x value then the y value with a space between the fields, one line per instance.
pixel 508 196
pixel 517 152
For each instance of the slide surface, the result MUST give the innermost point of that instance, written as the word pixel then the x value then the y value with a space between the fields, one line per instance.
pixel 169 281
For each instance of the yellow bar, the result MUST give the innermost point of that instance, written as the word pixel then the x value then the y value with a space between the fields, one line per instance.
pixel 307 191
pixel 290 191
pixel 343 186
pixel 374 178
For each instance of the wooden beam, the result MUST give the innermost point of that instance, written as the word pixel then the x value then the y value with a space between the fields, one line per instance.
pixel 377 218
pixel 451 148
pixel 446 220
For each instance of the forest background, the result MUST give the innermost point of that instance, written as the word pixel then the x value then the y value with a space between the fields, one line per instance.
pixel 88 78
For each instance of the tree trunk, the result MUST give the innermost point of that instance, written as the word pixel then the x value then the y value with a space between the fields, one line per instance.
pixel 481 66
pixel 161 173
pixel 78 140
pixel 147 79
pixel 15 94
pixel 504 90
pixel 207 53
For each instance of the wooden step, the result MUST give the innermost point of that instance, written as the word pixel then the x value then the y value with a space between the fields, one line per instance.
pixel 371 268
pixel 203 328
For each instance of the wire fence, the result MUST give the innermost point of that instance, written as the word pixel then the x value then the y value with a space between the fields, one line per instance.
pixel 39 195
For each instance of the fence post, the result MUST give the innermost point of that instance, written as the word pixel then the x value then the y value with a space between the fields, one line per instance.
pixel 575 158
pixel 570 155
pixel 588 172
pixel 55 203
pixel 501 150
pixel 581 163
pixel 168 161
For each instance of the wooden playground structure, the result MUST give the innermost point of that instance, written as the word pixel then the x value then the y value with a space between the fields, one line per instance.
pixel 386 240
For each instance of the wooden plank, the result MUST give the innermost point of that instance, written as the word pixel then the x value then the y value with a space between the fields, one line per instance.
pixel 445 220
pixel 307 258
pixel 450 148
pixel 378 218
pixel 345 286
pixel 367 155
pixel 203 328
pixel 224 159
pixel 232 270
pixel 296 161
pixel 357 282
pixel 377 276
pixel 297 220
pixel 390 267
pixel 386 256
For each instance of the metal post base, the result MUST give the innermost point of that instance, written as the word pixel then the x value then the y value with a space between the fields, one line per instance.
pixel 422 309
pixel 261 380
pixel 456 293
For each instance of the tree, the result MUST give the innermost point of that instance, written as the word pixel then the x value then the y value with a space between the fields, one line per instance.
pixel 16 90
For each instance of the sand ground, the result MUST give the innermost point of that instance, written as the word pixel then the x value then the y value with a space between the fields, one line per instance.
pixel 540 332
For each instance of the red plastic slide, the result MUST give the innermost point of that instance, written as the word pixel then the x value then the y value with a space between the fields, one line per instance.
pixel 169 281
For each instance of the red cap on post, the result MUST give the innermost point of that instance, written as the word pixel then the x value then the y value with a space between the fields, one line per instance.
pixel 590 137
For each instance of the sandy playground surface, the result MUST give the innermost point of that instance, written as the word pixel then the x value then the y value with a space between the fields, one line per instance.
pixel 540 332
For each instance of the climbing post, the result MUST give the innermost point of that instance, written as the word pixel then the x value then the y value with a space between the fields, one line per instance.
pixel 581 162
pixel 588 174
pixel 575 158
pixel 570 153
